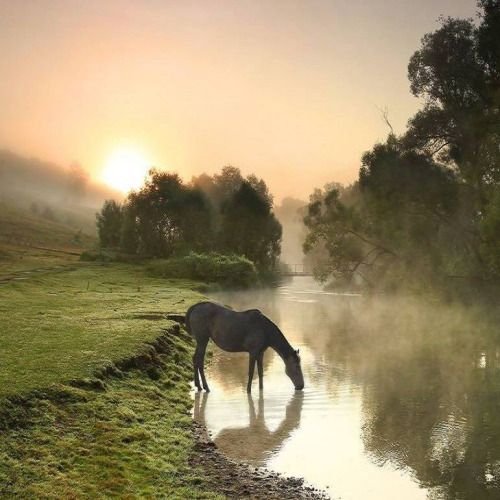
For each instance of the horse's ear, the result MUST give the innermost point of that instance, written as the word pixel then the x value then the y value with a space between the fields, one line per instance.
pixel 297 351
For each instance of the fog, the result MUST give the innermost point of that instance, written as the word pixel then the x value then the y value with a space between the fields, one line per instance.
pixel 400 390
pixel 63 194
pixel 290 213
pixel 287 90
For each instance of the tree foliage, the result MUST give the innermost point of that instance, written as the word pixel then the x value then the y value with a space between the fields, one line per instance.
pixel 109 224
pixel 169 216
pixel 166 217
pixel 249 227
pixel 427 203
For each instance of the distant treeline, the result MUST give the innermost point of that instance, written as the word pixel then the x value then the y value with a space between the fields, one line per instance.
pixel 223 213
pixel 426 205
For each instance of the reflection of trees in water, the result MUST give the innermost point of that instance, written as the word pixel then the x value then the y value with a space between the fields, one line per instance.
pixel 439 416
pixel 254 443
pixel 429 376
pixel 431 389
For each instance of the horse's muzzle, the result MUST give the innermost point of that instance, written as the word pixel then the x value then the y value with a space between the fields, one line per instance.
pixel 299 387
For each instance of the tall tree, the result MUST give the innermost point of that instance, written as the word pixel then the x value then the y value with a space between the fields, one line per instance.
pixel 456 72
pixel 250 228
pixel 426 204
pixel 109 223
pixel 169 216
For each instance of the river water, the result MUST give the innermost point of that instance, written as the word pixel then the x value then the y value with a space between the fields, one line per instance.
pixel 401 398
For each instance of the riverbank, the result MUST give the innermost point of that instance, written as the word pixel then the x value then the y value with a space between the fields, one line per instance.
pixel 237 480
pixel 94 393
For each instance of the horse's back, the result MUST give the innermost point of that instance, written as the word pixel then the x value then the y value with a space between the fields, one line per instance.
pixel 230 330
pixel 238 331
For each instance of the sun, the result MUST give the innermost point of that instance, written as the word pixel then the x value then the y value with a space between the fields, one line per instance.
pixel 125 169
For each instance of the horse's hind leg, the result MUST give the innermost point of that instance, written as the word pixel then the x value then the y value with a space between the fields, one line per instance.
pixel 260 369
pixel 251 368
pixel 196 365
pixel 201 365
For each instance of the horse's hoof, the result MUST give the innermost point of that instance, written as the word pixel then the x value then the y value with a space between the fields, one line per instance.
pixel 207 389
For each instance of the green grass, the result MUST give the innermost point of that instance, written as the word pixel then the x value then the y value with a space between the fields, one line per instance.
pixel 29 241
pixel 23 228
pixel 15 259
pixel 61 326
pixel 131 441
pixel 66 433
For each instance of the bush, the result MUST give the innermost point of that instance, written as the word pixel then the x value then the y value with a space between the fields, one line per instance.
pixel 227 270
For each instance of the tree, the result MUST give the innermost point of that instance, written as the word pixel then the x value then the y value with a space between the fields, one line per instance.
pixel 223 212
pixel 129 237
pixel 227 183
pixel 426 203
pixel 242 214
pixel 169 216
pixel 109 224
pixel 456 71
pixel 250 228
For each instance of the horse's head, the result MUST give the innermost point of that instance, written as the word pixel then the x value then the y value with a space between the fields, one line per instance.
pixel 294 370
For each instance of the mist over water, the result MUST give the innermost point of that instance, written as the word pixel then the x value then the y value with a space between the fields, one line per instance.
pixel 401 397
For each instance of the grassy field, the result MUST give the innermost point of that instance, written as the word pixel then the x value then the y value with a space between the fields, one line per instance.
pixel 22 227
pixel 29 241
pixel 66 325
pixel 68 434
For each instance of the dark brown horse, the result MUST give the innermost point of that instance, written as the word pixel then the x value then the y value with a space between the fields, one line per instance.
pixel 247 331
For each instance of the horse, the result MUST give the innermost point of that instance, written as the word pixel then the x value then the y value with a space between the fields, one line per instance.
pixel 247 331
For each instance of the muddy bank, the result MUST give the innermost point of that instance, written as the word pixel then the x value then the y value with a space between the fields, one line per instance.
pixel 238 480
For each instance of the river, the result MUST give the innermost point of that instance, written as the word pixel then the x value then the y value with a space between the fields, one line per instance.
pixel 401 398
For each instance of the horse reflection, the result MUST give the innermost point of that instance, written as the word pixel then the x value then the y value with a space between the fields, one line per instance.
pixel 255 443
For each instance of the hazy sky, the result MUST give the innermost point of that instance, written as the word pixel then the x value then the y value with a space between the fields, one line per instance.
pixel 287 89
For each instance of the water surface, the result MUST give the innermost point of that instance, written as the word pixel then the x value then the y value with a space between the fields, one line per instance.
pixel 402 398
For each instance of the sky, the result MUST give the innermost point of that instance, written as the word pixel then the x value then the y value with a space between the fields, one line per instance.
pixel 289 90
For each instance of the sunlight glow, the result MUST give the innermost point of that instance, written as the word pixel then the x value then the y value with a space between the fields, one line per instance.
pixel 125 169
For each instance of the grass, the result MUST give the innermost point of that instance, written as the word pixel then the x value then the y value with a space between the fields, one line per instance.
pixel 31 242
pixel 131 441
pixel 61 326
pixel 18 259
pixel 21 227
pixel 68 432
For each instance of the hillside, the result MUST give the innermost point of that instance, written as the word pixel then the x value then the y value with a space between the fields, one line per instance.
pixel 31 240
pixel 23 178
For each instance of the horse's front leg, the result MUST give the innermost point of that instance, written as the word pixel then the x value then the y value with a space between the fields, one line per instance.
pixel 260 369
pixel 251 368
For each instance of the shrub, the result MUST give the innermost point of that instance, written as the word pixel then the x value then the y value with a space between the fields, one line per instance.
pixel 227 270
